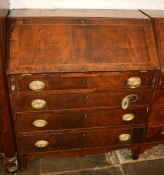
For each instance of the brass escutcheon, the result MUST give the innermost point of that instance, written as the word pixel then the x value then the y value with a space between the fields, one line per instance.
pixel 125 102
pixel 37 85
pixel 127 99
pixel 38 104
pixel 41 143
pixel 124 137
pixel 134 82
pixel 162 132
pixel 128 117
pixel 39 123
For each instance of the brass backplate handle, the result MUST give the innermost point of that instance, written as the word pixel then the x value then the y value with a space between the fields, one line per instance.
pixel 124 137
pixel 134 82
pixel 38 104
pixel 36 85
pixel 39 123
pixel 127 99
pixel 128 117
pixel 41 143
pixel 162 132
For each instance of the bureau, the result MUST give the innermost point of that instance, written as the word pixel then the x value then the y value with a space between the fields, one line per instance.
pixel 81 82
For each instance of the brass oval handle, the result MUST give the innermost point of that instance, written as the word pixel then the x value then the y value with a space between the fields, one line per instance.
pixel 41 143
pixel 134 82
pixel 162 132
pixel 37 85
pixel 39 123
pixel 124 137
pixel 128 117
pixel 38 104
pixel 127 99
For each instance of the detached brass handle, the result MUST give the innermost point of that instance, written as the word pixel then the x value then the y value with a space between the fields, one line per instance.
pixel 41 143
pixel 134 82
pixel 39 123
pixel 124 137
pixel 37 85
pixel 128 117
pixel 38 104
pixel 127 99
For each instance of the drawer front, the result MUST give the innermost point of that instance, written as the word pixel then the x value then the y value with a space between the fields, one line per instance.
pixel 82 140
pixel 55 142
pixel 67 81
pixel 42 121
pixel 29 102
pixel 112 137
pixel 155 134
pixel 156 116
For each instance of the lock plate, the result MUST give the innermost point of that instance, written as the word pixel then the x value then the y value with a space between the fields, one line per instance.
pixel 127 99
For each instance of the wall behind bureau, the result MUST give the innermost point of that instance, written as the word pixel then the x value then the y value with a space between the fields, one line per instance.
pixel 94 4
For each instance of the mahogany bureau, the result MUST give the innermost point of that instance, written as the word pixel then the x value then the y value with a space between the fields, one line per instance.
pixel 81 81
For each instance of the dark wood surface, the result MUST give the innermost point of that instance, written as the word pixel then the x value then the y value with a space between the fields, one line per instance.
pixel 67 44
pixel 74 81
pixel 80 140
pixel 155 129
pixel 79 100
pixel 156 115
pixel 81 119
pixel 157 17
pixel 154 134
pixel 8 146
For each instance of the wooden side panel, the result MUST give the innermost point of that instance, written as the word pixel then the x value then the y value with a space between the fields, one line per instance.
pixel 159 26
pixel 6 129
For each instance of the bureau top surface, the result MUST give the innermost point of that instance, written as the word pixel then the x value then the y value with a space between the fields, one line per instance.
pixel 77 13
pixel 79 41
pixel 154 13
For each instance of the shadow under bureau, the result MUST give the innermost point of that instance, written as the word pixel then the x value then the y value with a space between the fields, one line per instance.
pixel 81 81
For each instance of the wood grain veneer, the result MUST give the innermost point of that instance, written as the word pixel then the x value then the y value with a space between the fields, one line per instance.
pixel 84 58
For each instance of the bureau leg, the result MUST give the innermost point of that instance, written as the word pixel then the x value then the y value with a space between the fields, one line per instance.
pixel 135 153
pixel 24 163
pixel 11 164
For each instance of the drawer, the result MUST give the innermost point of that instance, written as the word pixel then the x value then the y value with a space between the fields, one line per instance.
pixel 113 137
pixel 55 142
pixel 156 116
pixel 155 134
pixel 92 118
pixel 68 81
pixel 81 140
pixel 42 101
